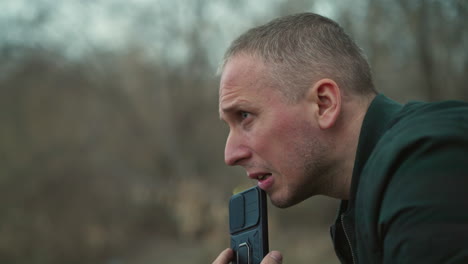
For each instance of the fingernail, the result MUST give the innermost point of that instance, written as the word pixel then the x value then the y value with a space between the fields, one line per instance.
pixel 276 256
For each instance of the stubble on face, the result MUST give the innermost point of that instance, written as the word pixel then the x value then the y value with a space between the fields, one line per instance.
pixel 311 162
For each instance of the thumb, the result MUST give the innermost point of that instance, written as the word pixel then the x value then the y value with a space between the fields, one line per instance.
pixel 274 257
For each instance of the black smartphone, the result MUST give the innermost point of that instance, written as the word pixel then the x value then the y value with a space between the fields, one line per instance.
pixel 248 225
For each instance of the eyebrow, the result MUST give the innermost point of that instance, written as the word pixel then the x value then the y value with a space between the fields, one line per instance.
pixel 234 106
pixel 228 109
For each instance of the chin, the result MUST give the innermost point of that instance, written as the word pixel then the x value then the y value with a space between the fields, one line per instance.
pixel 284 202
pixel 287 200
pixel 281 204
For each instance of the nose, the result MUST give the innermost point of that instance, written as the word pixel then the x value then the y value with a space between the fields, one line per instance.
pixel 236 150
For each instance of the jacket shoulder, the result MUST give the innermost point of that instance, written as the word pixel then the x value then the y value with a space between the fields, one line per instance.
pixel 405 179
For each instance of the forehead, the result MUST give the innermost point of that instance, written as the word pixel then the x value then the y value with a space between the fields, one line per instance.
pixel 242 70
pixel 243 80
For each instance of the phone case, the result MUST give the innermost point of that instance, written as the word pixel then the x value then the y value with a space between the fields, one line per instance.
pixel 248 226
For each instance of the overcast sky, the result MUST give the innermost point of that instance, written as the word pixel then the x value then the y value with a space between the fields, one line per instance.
pixel 162 28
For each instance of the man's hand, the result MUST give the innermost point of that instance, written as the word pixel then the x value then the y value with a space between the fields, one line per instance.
pixel 225 257
pixel 274 257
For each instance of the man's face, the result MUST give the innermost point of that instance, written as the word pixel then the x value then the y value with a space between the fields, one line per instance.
pixel 276 141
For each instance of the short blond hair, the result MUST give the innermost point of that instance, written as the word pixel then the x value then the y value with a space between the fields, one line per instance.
pixel 303 48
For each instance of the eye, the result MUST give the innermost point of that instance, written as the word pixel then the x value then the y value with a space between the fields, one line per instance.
pixel 244 115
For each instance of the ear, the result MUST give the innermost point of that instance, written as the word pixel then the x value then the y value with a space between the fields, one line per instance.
pixel 326 98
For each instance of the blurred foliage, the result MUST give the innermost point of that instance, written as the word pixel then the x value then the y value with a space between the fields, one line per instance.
pixel 110 142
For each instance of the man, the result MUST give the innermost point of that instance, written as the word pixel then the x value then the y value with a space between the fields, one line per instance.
pixel 305 119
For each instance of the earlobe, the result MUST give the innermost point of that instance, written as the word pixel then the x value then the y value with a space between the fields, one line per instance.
pixel 326 96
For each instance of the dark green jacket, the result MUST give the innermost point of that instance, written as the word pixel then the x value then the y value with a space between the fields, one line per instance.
pixel 409 191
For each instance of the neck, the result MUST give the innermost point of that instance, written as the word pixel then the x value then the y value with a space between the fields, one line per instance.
pixel 347 138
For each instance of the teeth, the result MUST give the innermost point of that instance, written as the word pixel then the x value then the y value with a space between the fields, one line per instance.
pixel 261 177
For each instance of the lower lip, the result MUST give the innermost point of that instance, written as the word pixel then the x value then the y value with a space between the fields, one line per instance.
pixel 266 184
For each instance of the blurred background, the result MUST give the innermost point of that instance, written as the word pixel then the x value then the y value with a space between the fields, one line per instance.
pixel 111 149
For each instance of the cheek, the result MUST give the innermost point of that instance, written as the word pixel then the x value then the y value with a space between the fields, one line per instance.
pixel 289 129
pixel 276 141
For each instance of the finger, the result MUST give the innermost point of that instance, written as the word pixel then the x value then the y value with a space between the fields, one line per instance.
pixel 225 257
pixel 274 257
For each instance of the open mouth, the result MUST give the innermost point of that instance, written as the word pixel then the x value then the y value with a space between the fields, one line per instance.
pixel 265 180
pixel 263 176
